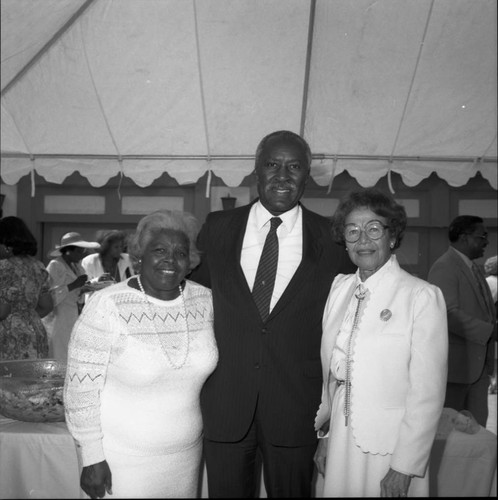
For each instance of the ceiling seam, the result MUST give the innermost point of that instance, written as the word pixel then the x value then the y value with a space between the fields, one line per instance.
pixel 488 148
pixel 309 48
pixel 45 48
pixel 421 47
pixel 203 99
pixel 97 96
pixel 28 149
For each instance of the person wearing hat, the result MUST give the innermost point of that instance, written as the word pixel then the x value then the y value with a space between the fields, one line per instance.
pixel 67 284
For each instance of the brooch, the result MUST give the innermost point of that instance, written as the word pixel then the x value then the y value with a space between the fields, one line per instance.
pixel 385 315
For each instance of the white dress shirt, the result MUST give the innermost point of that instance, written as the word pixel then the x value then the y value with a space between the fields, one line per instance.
pixel 290 244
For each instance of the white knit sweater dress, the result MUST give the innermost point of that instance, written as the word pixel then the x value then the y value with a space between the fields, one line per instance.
pixel 127 402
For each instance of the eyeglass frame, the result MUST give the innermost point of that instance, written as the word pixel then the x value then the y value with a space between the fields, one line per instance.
pixel 483 236
pixel 363 230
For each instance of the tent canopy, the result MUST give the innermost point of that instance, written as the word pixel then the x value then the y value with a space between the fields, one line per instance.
pixel 143 87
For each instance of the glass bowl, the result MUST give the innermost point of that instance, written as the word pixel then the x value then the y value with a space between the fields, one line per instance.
pixel 31 390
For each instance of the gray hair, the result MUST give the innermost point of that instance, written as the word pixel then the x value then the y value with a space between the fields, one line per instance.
pixel 163 220
pixel 284 134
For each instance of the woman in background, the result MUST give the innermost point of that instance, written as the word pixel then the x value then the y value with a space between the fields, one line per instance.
pixel 384 358
pixel 67 285
pixel 110 259
pixel 24 293
pixel 138 357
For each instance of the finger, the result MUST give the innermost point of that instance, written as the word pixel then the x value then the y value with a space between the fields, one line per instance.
pixel 101 492
pixel 108 488
pixel 108 483
pixel 89 491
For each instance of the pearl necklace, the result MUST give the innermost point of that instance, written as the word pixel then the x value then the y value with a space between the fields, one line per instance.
pixel 153 314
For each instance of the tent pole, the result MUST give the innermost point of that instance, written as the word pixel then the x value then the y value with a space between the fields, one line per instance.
pixel 316 156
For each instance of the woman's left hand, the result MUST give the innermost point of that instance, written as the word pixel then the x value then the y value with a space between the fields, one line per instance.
pixel 395 484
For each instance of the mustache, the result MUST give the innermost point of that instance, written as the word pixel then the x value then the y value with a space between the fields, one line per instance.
pixel 281 185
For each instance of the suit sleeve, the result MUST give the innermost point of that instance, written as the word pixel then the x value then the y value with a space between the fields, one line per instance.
pixel 427 383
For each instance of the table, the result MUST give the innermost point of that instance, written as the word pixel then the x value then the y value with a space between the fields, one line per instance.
pixel 40 461
pixel 464 465
pixel 37 460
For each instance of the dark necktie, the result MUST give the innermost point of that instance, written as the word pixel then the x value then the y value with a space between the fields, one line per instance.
pixel 267 270
pixel 483 287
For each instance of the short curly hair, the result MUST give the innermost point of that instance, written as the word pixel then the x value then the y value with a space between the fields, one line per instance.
pixel 463 224
pixel 163 220
pixel 283 134
pixel 378 202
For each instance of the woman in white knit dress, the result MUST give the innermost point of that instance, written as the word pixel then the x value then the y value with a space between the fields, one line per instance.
pixel 138 357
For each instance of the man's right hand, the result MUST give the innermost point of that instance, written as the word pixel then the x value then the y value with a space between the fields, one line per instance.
pixel 321 455
pixel 96 480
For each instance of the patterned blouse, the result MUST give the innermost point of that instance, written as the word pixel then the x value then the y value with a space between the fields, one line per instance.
pixel 22 334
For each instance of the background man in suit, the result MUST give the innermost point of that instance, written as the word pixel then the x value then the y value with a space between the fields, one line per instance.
pixel 262 398
pixel 471 317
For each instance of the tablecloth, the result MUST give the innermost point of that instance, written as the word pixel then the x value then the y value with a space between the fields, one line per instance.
pixel 39 460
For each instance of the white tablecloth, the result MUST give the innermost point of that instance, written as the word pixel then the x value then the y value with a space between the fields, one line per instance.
pixel 37 461
pixel 464 465
pixel 40 461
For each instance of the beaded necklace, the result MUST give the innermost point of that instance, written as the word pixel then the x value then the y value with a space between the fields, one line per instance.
pixel 360 295
pixel 153 314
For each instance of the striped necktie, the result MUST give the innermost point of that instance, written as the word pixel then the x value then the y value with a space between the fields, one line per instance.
pixel 267 270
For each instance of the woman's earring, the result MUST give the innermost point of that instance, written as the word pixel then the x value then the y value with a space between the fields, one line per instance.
pixel 392 246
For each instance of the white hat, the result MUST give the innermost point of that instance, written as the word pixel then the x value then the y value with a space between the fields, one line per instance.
pixel 75 240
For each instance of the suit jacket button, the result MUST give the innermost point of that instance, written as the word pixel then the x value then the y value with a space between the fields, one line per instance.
pixel 256 366
pixel 264 331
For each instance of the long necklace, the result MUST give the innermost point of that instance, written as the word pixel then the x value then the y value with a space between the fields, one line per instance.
pixel 152 316
pixel 360 295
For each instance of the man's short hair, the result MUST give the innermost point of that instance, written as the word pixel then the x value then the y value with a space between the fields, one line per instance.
pixel 463 224
pixel 284 134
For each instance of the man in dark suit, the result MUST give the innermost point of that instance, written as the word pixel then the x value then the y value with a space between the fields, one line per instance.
pixel 264 394
pixel 471 317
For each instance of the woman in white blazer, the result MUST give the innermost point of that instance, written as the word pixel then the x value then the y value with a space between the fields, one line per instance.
pixel 384 358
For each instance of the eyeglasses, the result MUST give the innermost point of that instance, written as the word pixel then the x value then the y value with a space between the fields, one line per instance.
pixel 483 236
pixel 373 229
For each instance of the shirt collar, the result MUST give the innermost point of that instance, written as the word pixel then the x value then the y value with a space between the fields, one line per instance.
pixel 263 216
pixel 372 281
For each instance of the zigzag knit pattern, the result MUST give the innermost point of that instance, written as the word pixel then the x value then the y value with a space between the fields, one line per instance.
pixel 112 322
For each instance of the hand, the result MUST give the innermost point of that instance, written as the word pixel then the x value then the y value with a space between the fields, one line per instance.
pixel 78 282
pixel 320 457
pixel 96 480
pixel 395 484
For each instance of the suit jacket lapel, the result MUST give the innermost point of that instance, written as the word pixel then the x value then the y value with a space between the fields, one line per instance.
pixel 312 251
pixel 233 248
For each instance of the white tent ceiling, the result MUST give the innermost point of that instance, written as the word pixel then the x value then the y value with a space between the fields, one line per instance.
pixel 142 87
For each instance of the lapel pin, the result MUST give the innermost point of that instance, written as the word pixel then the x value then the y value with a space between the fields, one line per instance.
pixel 385 315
